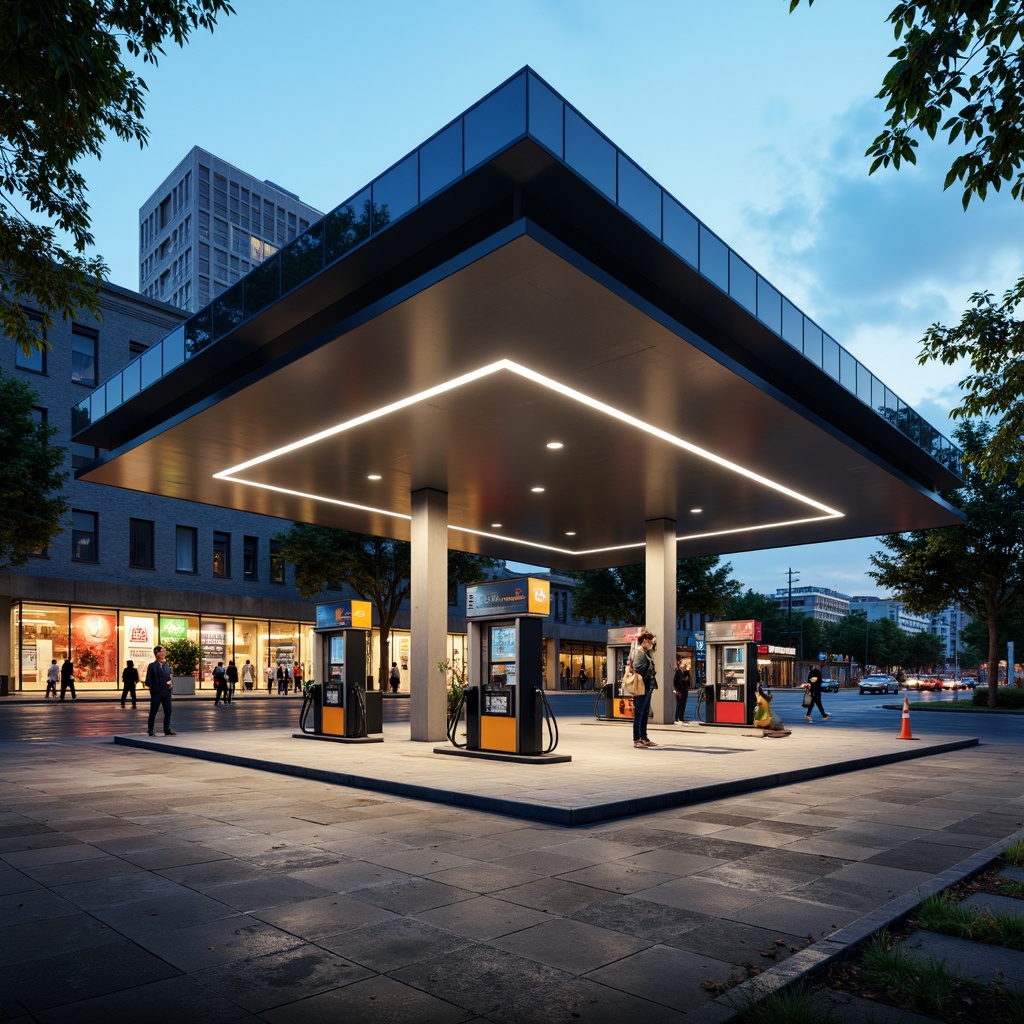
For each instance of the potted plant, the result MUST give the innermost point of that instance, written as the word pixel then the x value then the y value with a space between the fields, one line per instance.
pixel 183 657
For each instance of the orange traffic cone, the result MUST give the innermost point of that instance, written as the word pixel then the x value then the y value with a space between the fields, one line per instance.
pixel 905 729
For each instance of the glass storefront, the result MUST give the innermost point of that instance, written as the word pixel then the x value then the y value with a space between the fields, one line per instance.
pixel 399 651
pixel 581 665
pixel 100 640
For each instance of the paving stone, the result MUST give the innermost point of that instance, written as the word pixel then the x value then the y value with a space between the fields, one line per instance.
pixel 328 915
pixel 387 946
pixel 995 904
pixel 482 918
pixel 572 946
pixel 411 895
pixel 975 960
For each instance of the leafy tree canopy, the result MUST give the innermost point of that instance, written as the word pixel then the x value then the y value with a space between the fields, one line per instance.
pixel 64 84
pixel 31 513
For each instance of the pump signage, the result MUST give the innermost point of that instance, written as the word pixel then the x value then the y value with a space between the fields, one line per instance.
pixel 344 615
pixel 525 596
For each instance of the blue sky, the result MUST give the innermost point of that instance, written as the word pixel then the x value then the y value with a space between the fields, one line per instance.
pixel 755 119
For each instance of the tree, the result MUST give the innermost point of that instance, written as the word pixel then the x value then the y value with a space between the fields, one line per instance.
pixel 31 514
pixel 979 565
pixel 64 84
pixel 376 568
pixel 925 651
pixel 768 612
pixel 963 61
pixel 620 595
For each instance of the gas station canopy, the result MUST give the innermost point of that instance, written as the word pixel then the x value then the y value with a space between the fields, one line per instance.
pixel 516 315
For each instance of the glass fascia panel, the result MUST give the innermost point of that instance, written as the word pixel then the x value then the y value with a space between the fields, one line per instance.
pixel 865 383
pixel 546 116
pixel 792 325
pixel 890 407
pixel 227 310
pixel 262 286
pixel 199 331
pixel 346 226
pixel 639 196
pixel 99 402
pixel 830 356
pixel 813 342
pixel 396 192
pixel 113 390
pixel 174 349
pixel 769 305
pixel 714 259
pixel 130 379
pixel 303 258
pixel 441 160
pixel 742 282
pixel 81 415
pixel 589 153
pixel 494 122
pixel 847 370
pixel 151 366
pixel 679 230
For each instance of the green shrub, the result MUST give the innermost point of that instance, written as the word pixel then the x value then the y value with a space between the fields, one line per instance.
pixel 1006 697
pixel 183 656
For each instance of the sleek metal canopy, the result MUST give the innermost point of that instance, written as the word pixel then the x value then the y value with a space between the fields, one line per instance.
pixel 520 307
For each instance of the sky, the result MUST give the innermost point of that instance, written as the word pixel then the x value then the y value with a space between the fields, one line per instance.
pixel 755 119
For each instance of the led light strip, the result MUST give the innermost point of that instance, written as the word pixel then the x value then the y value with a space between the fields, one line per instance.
pixel 564 392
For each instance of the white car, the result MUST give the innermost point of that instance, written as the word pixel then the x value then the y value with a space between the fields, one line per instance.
pixel 879 684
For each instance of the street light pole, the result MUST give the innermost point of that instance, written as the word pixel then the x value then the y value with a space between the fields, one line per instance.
pixel 791 573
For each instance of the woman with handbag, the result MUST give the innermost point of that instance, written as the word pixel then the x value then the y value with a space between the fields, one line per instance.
pixel 813 688
pixel 643 666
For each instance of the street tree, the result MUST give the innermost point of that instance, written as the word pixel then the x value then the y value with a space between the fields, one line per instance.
pixel 979 565
pixel 64 84
pixel 32 509
pixel 619 595
pixel 375 568
pixel 767 611
pixel 925 651
pixel 959 70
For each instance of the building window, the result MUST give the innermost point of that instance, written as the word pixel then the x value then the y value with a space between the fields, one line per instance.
pixel 84 546
pixel 140 543
pixel 276 563
pixel 83 454
pixel 185 549
pixel 83 355
pixel 221 554
pixel 250 561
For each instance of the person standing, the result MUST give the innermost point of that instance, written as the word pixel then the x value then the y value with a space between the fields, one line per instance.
pixel 297 677
pixel 643 666
pixel 220 684
pixel 396 677
pixel 129 680
pixel 248 676
pixel 52 675
pixel 67 679
pixel 232 674
pixel 582 678
pixel 283 676
pixel 270 679
pixel 681 682
pixel 158 681
pixel 814 685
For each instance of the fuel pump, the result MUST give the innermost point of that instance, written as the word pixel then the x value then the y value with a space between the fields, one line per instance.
pixel 732 674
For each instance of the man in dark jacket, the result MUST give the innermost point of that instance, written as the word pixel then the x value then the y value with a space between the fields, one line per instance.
pixel 643 666
pixel 158 680
pixel 67 679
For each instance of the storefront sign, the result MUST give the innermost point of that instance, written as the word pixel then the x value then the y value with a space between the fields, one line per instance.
pixel 525 596
pixel 173 629
pixel 700 646
pixel 213 637
pixel 344 615
pixel 620 635
pixel 736 629
pixel 139 638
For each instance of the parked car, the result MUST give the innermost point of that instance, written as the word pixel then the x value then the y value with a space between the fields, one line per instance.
pixel 830 685
pixel 879 684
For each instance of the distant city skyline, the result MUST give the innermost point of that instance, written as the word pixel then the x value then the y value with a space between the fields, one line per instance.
pixel 762 135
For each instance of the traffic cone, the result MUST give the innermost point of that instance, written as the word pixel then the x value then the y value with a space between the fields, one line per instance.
pixel 905 729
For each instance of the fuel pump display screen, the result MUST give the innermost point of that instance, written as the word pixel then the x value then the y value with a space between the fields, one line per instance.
pixel 498 691
pixel 733 674
pixel 336 656
pixel 503 643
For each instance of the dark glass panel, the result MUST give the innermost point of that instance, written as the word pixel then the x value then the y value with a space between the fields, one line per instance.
pixel 81 416
pixel 199 331
pixel 589 153
pixel 441 160
pixel 347 226
pixel 99 402
pixel 546 116
pixel 792 325
pixel 131 380
pixel 227 310
pixel 639 196
pixel 830 356
pixel 847 370
pixel 679 230
pixel 812 341
pixel 714 259
pixel 769 305
pixel 262 286
pixel 151 369
pixel 174 349
pixel 891 407
pixel 742 282
pixel 396 192
pixel 113 389
pixel 303 258
pixel 865 379
pixel 495 121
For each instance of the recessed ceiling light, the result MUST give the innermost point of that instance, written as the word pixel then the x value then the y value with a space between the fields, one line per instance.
pixel 495 526
pixel 696 510
pixel 537 490
pixel 570 533
pixel 555 445
pixel 373 476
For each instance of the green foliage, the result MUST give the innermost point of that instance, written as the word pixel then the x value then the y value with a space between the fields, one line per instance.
pixel 1008 697
pixel 31 514
pixel 64 84
pixel 790 1006
pixel 942 913
pixel 455 684
pixel 1014 853
pixel 183 656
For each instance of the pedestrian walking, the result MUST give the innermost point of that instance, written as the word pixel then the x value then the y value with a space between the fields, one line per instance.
pixel 813 684
pixel 220 684
pixel 129 680
pixel 52 675
pixel 67 679
pixel 158 682
pixel 681 683
pixel 270 679
pixel 643 666
pixel 248 675
pixel 283 677
pixel 232 674
pixel 297 677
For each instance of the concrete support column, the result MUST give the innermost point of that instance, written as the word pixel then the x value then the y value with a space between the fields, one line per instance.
pixel 660 602
pixel 428 641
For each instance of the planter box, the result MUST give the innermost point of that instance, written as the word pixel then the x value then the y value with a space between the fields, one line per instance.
pixel 183 686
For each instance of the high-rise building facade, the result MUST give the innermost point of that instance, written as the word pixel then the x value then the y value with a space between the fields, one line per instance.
pixel 819 603
pixel 208 225
pixel 876 608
